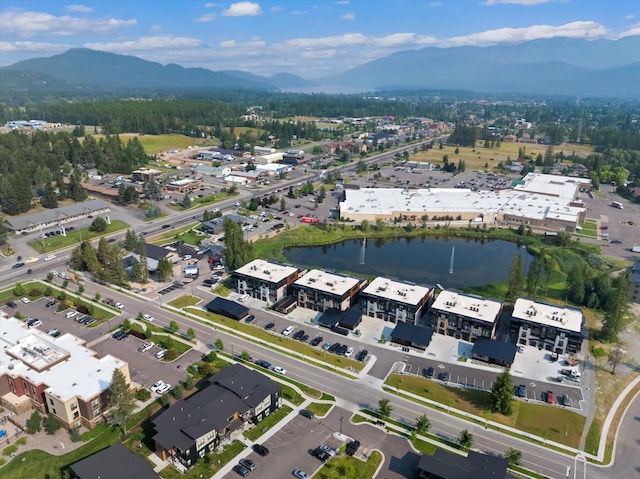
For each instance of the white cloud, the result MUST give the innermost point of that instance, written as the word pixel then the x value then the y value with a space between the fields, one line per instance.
pixel 212 5
pixel 251 44
pixel 242 9
pixel 348 16
pixel 276 9
pixel 26 24
pixel 209 17
pixel 632 31
pixel 525 3
pixel 155 28
pixel 299 12
pixel 359 39
pixel 631 16
pixel 39 47
pixel 343 2
pixel 435 4
pixel 148 43
pixel 580 29
pixel 79 8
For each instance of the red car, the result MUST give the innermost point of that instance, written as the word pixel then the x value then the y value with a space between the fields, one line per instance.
pixel 551 399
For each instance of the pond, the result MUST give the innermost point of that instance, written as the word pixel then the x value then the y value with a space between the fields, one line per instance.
pixel 420 260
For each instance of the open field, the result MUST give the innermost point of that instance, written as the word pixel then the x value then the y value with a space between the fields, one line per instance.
pixel 255 132
pixel 554 423
pixel 74 237
pixel 153 144
pixel 476 158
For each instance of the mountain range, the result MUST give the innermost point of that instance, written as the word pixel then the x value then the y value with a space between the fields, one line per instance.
pixel 558 66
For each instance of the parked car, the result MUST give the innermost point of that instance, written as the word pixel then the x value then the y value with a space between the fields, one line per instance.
pixel 329 450
pixel 53 333
pixel 249 318
pixel 521 391
pixel 348 352
pixel 164 388
pixel 288 330
pixel 443 376
pixel 34 322
pixel 316 341
pixel 263 363
pixel 327 345
pixel 25 300
pixel 146 347
pixel 243 297
pixel 428 372
pixel 352 448
pixel 157 385
pixel 71 314
pixel 362 355
pixel 119 305
pixel 50 303
pixel 161 354
pixel 89 320
pixel 320 454
pixel 279 370
pixel 119 335
pixel 298 334
pixel 248 463
pixel 261 450
pixel 565 400
pixel 241 470
pixel 269 326
pixel 306 413
pixel 11 304
pixel 550 397
pixel 300 474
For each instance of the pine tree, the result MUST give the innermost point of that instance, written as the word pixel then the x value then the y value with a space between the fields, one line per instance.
pixel 502 394
pixel 121 400
pixel 516 280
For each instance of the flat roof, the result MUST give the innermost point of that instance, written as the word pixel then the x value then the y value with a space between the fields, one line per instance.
pixel 63 364
pixel 56 214
pixel 397 201
pixel 327 282
pixel 398 291
pixel 570 319
pixel 468 305
pixel 266 270
pixel 565 187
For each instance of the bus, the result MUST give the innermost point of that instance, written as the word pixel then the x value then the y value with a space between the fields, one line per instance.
pixel 617 204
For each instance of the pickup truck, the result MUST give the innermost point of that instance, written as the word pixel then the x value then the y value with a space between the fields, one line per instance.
pixel 572 373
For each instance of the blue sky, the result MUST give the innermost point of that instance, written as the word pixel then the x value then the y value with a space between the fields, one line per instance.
pixel 307 38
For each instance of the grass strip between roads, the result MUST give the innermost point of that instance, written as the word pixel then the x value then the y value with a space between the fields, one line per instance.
pixel 287 346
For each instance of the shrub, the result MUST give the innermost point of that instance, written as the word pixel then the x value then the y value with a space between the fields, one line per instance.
pixel 143 394
pixel 74 435
pixel 34 424
pixel 21 442
pixel 176 392
pixel 9 450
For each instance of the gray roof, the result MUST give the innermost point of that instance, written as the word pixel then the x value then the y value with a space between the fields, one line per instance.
pixel 115 462
pixel 55 214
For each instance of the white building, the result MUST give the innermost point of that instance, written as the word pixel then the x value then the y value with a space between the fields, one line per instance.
pixel 393 300
pixel 321 290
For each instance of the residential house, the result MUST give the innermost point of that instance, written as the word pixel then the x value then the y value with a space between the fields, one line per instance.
pixel 411 335
pixel 265 280
pixel 559 329
pixel 392 300
pixel 464 316
pixel 193 427
pixel 114 462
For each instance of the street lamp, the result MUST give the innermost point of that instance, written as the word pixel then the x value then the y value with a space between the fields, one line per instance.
pixel 341 418
pixel 533 385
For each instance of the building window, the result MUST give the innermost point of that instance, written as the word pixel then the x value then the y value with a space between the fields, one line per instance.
pixel 96 412
pixel 94 404
pixel 76 415
pixel 74 406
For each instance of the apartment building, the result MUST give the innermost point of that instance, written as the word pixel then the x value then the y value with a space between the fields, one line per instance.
pixel 265 280
pixel 464 316
pixel 393 300
pixel 559 329
pixel 321 290
pixel 55 375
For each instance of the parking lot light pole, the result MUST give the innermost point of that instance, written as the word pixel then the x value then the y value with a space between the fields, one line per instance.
pixel 341 418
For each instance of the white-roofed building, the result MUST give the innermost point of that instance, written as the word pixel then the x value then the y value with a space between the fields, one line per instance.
pixel 563 187
pixel 321 290
pixel 56 375
pixel 265 280
pixel 507 208
pixel 393 300
pixel 464 316
pixel 559 329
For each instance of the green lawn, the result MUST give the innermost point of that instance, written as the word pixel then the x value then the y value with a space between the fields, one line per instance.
pixel 170 235
pixel 215 462
pixel 184 301
pixel 267 423
pixel 74 237
pixel 292 346
pixel 153 144
pixel 205 200
pixel 341 467
pixel 558 424
pixel 319 408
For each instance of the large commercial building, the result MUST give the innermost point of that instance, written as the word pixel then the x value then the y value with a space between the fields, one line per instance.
pixel 320 290
pixel 464 316
pixel 563 187
pixel 194 427
pixel 265 280
pixel 507 208
pixel 393 300
pixel 55 375
pixel 558 329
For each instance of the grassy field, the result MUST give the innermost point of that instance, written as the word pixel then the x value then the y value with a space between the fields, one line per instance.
pixel 476 158
pixel 341 467
pixel 319 408
pixel 255 132
pixel 205 200
pixel 291 345
pixel 554 423
pixel 184 301
pixel 267 423
pixel 154 144
pixel 74 237
pixel 170 236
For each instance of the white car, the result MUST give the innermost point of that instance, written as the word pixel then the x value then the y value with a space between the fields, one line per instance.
pixel 161 354
pixel 119 305
pixel 164 388
pixel 187 257
pixel 71 314
pixel 288 330
pixel 146 347
pixel 279 370
pixel 25 300
pixel 50 257
pixel 243 298
pixel 157 385
pixel 148 317
pixel 348 352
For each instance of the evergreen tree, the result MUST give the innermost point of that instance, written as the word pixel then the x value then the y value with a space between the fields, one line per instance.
pixel 384 408
pixel 121 400
pixel 239 252
pixel 49 197
pixel 613 320
pixel 533 275
pixel 164 272
pixel 144 263
pixel 516 280
pixel 130 240
pixel 51 424
pixel 575 283
pixel 34 424
pixel 186 202
pixel 502 394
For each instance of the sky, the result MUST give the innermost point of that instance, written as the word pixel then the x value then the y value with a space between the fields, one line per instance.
pixel 311 39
